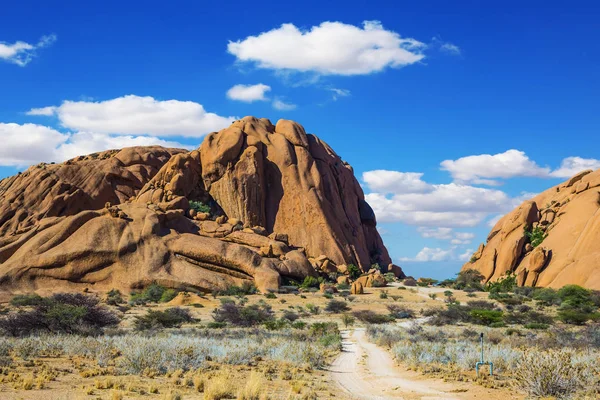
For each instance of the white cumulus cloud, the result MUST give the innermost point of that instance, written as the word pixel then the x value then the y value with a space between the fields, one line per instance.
pixel 331 48
pixel 385 181
pixel 484 168
pixel 28 144
pixel 442 233
pixel 136 115
pixel 431 254
pixel 573 165
pixel 248 93
pixel 21 53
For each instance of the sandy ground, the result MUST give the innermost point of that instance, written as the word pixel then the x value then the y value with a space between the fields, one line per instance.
pixel 365 371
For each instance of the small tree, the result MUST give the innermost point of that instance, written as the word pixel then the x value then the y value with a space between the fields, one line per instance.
pixel 353 271
pixel 348 320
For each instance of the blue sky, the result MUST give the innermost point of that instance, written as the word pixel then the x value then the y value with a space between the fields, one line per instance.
pixel 414 101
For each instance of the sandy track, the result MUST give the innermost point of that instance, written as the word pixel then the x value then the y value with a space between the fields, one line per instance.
pixel 365 371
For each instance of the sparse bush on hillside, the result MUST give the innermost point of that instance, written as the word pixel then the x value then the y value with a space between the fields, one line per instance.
pixel 505 284
pixel 536 236
pixel 60 313
pixel 371 317
pixel 154 293
pixel 114 298
pixel 199 206
pixel 353 271
pixel 310 282
pixel 169 318
pixel 238 315
pixel 336 306
pixel 469 279
pixel 410 282
pixel 399 312
pixel 24 300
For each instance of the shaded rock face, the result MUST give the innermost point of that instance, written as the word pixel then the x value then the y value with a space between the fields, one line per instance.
pixel 569 217
pixel 122 219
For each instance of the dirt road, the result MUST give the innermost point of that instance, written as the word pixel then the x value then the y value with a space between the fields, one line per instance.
pixel 365 371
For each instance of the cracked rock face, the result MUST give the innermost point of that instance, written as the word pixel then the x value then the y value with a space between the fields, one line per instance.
pixel 568 215
pixel 122 219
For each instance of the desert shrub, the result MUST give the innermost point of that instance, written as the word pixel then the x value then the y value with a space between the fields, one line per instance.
pixel 469 279
pixel 383 294
pixel 371 317
pixel 527 317
pixel 505 284
pixel 343 286
pixel 315 310
pixel 348 320
pixel 487 317
pixel 270 295
pixel 399 312
pixel 114 297
pixel 336 306
pixel 481 304
pixel 379 283
pixel 389 277
pixel 577 317
pixel 152 294
pixel 553 373
pixel 169 318
pixel 546 296
pixel 61 313
pixel 410 282
pixel 24 300
pixel 247 288
pixel 238 315
pixel 575 297
pixel 526 291
pixel 536 236
pixel 353 271
pixel 450 315
pixel 310 282
pixel 290 315
pixel 199 206
pixel 536 325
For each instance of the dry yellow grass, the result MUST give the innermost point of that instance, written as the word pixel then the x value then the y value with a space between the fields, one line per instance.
pixel 253 388
pixel 221 386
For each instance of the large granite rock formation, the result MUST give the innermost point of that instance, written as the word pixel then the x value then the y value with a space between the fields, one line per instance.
pixel 568 215
pixel 279 199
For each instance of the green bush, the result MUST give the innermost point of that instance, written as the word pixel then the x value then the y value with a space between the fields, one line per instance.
pixel 536 325
pixel 336 307
pixel 536 236
pixel 247 288
pixel 505 284
pixel 546 296
pixel 575 297
pixel 383 294
pixel 353 271
pixel 486 317
pixel 469 279
pixel 270 295
pixel 60 313
pixel 371 317
pixel 239 315
pixel 199 206
pixel 114 297
pixel 24 300
pixel 575 317
pixel 310 282
pixel 169 318
pixel 153 294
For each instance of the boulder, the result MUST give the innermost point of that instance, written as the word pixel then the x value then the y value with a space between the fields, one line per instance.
pixel 356 288
pixel 343 280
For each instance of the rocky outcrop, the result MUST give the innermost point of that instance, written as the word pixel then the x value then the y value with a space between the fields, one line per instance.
pixel 567 217
pixel 255 202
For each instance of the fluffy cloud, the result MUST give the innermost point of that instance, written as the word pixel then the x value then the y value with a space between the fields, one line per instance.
pixel 331 48
pixel 385 181
pixel 483 168
pixel 466 256
pixel 572 165
pixel 135 115
pixel 21 53
pixel 405 197
pixel 283 106
pixel 455 238
pixel 248 93
pixel 431 254
pixel 27 144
